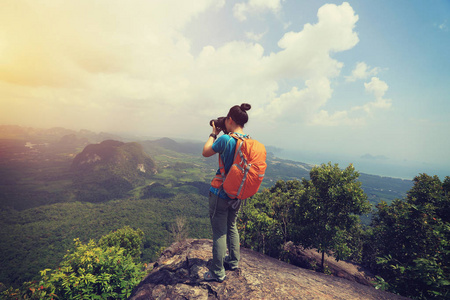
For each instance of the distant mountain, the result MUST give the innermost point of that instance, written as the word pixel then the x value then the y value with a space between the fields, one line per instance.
pixel 42 147
pixel 110 169
pixel 52 135
pixel 376 187
pixel 181 147
pixel 127 160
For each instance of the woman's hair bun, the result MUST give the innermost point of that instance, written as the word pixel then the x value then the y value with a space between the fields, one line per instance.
pixel 245 106
pixel 239 113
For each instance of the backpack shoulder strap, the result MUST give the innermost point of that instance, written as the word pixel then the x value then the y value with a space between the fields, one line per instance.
pixel 239 142
pixel 239 137
pixel 221 163
pixel 226 145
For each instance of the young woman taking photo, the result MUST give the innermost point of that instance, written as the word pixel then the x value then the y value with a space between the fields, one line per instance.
pixel 223 210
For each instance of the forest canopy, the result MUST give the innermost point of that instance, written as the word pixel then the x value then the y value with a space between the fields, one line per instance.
pixel 407 243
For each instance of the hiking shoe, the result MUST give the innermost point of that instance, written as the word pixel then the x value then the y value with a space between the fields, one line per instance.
pixel 209 276
pixel 227 265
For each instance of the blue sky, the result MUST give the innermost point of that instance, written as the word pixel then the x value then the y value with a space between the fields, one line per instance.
pixel 363 82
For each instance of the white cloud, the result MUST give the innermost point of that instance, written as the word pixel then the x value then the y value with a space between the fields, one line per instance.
pixel 241 10
pixel 239 72
pixel 286 25
pixel 111 65
pixel 115 54
pixel 254 36
pixel 361 71
pixel 306 57
pixel 356 115
pixel 323 118
pixel 298 106
pixel 443 26
pixel 307 53
pixel 378 88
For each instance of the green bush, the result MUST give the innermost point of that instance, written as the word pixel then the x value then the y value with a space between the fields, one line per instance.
pixel 127 238
pixel 89 271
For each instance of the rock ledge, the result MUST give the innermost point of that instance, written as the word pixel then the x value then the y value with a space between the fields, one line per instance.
pixel 178 274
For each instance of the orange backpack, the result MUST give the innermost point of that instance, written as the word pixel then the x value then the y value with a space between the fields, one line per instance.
pixel 247 172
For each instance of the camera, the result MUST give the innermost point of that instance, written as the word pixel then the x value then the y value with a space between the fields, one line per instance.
pixel 219 123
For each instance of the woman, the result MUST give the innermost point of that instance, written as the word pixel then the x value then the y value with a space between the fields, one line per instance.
pixel 222 209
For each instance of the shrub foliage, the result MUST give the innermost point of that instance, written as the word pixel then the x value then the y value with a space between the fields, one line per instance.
pixel 409 246
pixel 93 270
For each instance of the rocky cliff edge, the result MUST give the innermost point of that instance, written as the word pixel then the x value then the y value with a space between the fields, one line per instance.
pixel 178 274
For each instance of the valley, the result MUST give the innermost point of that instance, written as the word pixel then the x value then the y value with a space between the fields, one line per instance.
pixel 46 202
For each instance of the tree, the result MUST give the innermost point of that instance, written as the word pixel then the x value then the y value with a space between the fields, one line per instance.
pixel 327 211
pixel 410 242
pixel 318 213
pixel 179 229
pixel 259 225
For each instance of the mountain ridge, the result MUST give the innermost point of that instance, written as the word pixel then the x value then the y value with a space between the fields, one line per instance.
pixel 113 167
pixel 167 154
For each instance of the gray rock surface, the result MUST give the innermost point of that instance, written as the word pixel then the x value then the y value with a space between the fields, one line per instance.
pixel 178 274
pixel 306 258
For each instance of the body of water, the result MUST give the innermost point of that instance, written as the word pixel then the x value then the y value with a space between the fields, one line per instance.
pixel 375 166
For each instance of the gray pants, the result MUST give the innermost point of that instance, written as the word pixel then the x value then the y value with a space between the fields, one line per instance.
pixel 223 214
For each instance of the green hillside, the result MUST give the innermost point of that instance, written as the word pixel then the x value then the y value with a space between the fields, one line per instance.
pixel 109 170
pixel 38 238
pixel 58 184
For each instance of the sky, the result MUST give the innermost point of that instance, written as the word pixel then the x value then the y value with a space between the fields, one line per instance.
pixel 362 82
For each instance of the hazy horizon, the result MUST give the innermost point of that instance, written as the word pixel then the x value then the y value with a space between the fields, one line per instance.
pixel 375 166
pixel 366 163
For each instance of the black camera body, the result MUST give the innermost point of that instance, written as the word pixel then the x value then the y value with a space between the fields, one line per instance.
pixel 219 123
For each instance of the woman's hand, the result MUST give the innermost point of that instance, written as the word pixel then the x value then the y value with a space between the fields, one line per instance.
pixel 215 130
pixel 207 148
